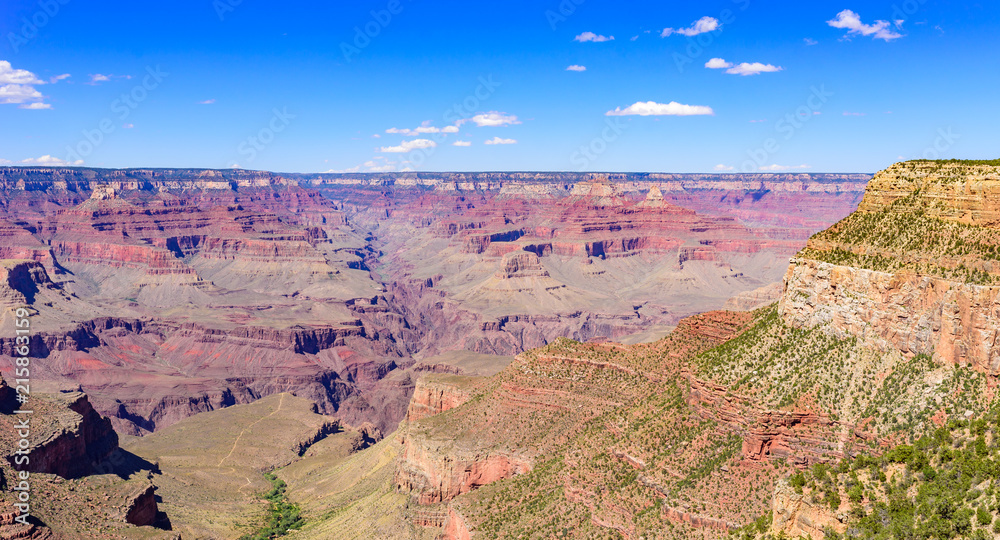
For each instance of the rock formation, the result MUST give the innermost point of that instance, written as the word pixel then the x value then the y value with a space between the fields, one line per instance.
pixel 82 483
pixel 435 395
pixel 795 515
pixel 164 293
pixel 74 440
pixel 868 278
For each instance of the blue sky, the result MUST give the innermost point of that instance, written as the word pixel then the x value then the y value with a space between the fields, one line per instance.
pixel 824 86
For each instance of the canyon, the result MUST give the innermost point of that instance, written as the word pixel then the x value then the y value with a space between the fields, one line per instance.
pixel 164 293
pixel 697 434
pixel 491 381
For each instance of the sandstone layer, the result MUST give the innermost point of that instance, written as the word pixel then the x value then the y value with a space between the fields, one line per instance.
pixel 959 322
pixel 164 293
pixel 914 269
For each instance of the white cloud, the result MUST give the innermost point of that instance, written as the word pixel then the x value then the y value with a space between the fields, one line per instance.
pixel 406 146
pixel 98 78
pixel 652 108
pixel 575 67
pixel 742 69
pixel 777 167
pixel 851 21
pixel 9 75
pixel 755 68
pixel 590 36
pixel 498 140
pixel 58 78
pixel 206 102
pixel 810 41
pixel 17 86
pixel 718 63
pixel 5 162
pixel 495 119
pixel 431 129
pixel 849 113
pixel 424 129
pixel 128 126
pixel 49 161
pixel 461 143
pixel 702 25
pixel 720 167
pixel 18 93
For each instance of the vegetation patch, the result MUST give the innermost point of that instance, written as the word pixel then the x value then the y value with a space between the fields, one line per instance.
pixel 282 516
pixel 904 237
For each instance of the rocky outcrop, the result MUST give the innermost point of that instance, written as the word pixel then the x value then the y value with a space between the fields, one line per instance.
pixel 141 508
pixel 436 471
pixel 957 322
pixel 959 192
pixel 20 281
pixel 13 530
pixel 869 278
pixel 519 265
pixel 73 443
pixel 804 437
pixel 455 527
pixel 696 520
pixel 434 395
pixel 795 514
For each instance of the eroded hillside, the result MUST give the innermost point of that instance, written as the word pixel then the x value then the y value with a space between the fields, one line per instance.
pixel 165 293
pixel 712 429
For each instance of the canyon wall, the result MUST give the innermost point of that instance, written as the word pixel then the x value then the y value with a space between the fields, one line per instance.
pixel 959 322
pixel 915 268
pixel 163 293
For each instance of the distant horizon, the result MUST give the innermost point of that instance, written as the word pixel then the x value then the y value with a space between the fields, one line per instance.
pixel 414 173
pixel 576 85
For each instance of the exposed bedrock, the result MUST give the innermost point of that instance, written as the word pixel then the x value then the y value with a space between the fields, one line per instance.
pixel 74 442
pixel 20 281
pixel 141 508
pixel 958 322
pixel 795 514
pixel 805 437
pixel 455 527
pixel 869 278
pixel 437 471
pixel 432 396
pixel 446 325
